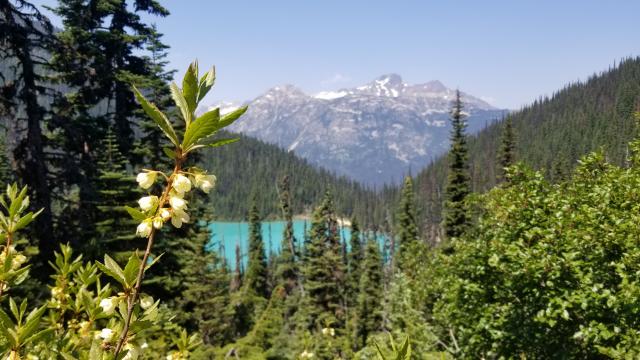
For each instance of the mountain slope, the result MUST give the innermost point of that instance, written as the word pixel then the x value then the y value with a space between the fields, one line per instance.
pixel 551 135
pixel 373 133
pixel 251 166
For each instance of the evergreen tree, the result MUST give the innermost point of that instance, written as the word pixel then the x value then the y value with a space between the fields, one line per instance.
pixel 506 152
pixel 157 85
pixel 206 287
pixel 25 33
pixel 458 180
pixel 6 173
pixel 323 270
pixel 236 279
pixel 370 295
pixel 113 233
pixel 355 257
pixel 407 227
pixel 98 54
pixel 255 278
pixel 286 271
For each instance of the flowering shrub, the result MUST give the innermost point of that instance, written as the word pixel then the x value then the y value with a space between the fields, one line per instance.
pixel 98 310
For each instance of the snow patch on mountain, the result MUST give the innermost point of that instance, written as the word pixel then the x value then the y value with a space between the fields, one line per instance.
pixel 373 133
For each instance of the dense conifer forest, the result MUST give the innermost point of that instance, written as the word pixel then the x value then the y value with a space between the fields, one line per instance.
pixel 550 135
pixel 521 242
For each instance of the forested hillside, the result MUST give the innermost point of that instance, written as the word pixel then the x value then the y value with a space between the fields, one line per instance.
pixel 262 166
pixel 551 134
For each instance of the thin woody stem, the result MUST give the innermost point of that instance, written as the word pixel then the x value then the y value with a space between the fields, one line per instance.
pixel 132 298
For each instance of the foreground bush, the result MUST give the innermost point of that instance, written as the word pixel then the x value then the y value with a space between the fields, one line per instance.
pixel 99 310
pixel 551 271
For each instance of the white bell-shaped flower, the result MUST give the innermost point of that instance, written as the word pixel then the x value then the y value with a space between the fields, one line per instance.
pixel 205 182
pixel 148 202
pixel 177 202
pixel 146 179
pixel 109 305
pixel 158 222
pixel 144 229
pixel 165 214
pixel 181 184
pixel 178 217
pixel 146 302
pixel 106 334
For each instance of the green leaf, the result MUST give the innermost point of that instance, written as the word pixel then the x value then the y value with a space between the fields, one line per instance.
pixel 204 126
pixel 131 269
pixel 190 86
pixel 14 309
pixel 221 142
pixel 152 262
pixel 5 325
pixel 96 352
pixel 157 116
pixel 26 220
pixel 214 143
pixel 37 336
pixel 32 322
pixel 16 203
pixel 20 275
pixel 112 269
pixel 229 118
pixel 380 353
pixel 181 103
pixel 206 83
pixel 405 350
pixel 135 213
pixel 169 152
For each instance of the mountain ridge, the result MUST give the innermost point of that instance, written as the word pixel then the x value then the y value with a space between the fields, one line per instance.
pixel 374 133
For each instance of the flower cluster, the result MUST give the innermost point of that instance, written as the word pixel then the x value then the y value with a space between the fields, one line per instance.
pixel 306 355
pixel 16 258
pixel 329 331
pixel 179 184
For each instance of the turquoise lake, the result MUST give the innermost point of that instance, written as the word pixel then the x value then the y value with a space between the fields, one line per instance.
pixel 225 236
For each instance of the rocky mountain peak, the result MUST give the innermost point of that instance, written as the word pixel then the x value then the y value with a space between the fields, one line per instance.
pixel 372 133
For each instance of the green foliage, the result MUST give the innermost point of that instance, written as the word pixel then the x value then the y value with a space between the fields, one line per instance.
pixel 552 134
pixel 368 311
pixel 112 226
pixel 255 279
pixel 403 352
pixel 323 270
pixel 406 225
pixel 550 271
pixel 354 264
pixel 506 152
pixel 261 165
pixel 458 181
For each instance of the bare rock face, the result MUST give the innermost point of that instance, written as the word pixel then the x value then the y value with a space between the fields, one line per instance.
pixel 372 133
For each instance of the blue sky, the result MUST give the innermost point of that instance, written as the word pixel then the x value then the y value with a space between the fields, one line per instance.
pixel 508 52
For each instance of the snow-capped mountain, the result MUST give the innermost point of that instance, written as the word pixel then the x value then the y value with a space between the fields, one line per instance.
pixel 372 133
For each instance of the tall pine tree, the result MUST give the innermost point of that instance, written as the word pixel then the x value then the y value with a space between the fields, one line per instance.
pixel 255 277
pixel 98 54
pixel 355 256
pixel 286 271
pixel 370 295
pixel 323 270
pixel 407 227
pixel 206 287
pixel 26 34
pixel 113 226
pixel 458 179
pixel 506 152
